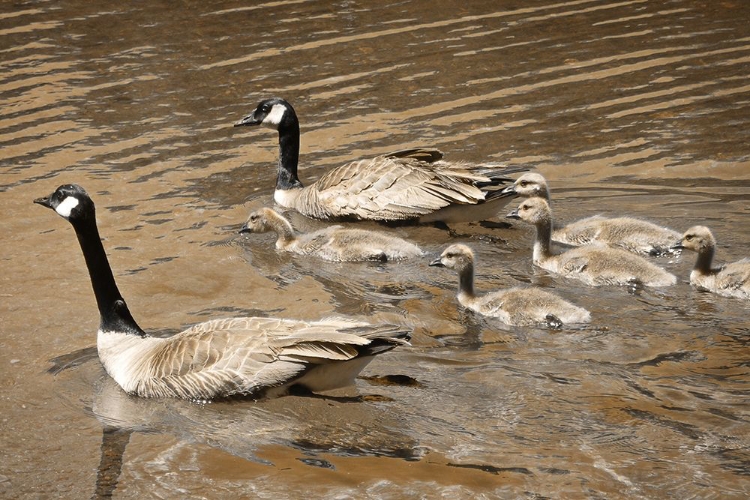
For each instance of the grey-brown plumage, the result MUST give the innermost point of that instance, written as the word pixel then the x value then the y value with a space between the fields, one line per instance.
pixel 518 306
pixel 634 235
pixel 731 280
pixel 412 185
pixel 219 358
pixel 333 243
pixel 593 264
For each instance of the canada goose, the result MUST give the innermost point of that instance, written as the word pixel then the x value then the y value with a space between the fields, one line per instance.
pixel 514 306
pixel 634 235
pixel 593 264
pixel 412 185
pixel 219 358
pixel 333 243
pixel 731 280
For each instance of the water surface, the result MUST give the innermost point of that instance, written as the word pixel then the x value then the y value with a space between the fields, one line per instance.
pixel 630 107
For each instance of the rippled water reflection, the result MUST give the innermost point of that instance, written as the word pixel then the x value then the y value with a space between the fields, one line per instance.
pixel 632 107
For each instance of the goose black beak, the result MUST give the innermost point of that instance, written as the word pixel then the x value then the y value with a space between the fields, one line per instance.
pixel 248 120
pixel 677 246
pixel 437 263
pixel 45 202
pixel 509 190
pixel 244 229
pixel 513 215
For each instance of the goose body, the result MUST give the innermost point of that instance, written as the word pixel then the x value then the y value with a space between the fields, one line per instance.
pixel 412 185
pixel 518 306
pixel 220 358
pixel 333 243
pixel 593 264
pixel 730 280
pixel 634 235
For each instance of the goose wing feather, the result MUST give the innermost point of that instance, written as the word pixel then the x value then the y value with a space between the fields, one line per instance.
pixel 245 355
pixel 393 188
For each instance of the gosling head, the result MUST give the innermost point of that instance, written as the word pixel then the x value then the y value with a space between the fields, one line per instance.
pixel 533 211
pixel 529 185
pixel 71 202
pixel 274 113
pixel 457 257
pixel 697 238
pixel 258 221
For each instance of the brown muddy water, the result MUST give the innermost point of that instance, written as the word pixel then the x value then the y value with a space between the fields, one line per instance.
pixel 628 107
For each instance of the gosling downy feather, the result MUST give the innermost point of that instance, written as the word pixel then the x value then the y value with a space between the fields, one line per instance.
pixel 730 280
pixel 519 306
pixel 412 185
pixel 593 264
pixel 333 243
pixel 634 235
pixel 219 358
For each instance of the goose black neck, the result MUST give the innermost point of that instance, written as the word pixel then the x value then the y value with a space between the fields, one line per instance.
pixel 543 238
pixel 288 156
pixel 466 280
pixel 113 312
pixel 705 257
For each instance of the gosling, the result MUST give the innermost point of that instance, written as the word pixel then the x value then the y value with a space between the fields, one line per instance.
pixel 333 243
pixel 594 264
pixel 517 306
pixel 730 280
pixel 634 235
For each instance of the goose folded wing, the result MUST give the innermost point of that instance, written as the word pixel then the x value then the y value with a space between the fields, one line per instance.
pixel 395 188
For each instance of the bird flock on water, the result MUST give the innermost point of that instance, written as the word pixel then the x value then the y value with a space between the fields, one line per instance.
pixel 261 357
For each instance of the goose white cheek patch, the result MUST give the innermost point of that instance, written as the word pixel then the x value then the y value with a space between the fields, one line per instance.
pixel 274 117
pixel 67 206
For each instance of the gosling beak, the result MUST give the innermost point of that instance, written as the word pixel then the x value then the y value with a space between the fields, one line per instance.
pixel 45 202
pixel 677 246
pixel 509 189
pixel 244 229
pixel 437 263
pixel 248 120
pixel 513 215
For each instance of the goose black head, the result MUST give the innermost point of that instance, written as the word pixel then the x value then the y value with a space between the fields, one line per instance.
pixel 70 201
pixel 274 113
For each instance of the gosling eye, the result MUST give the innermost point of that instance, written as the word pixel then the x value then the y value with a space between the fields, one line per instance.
pixel 524 183
pixel 253 218
pixel 689 237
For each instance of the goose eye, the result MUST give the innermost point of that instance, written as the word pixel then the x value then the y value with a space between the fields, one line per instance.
pixel 253 218
pixel 689 237
pixel 266 108
pixel 524 183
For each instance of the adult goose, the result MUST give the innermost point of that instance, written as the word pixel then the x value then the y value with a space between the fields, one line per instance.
pixel 332 243
pixel 730 280
pixel 412 185
pixel 247 356
pixel 634 235
pixel 518 306
pixel 593 264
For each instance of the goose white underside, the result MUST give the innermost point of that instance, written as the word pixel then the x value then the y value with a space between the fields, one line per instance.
pixel 325 377
pixel 285 197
